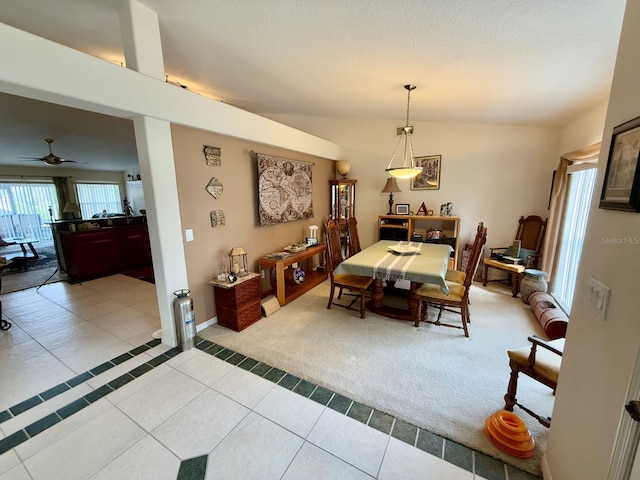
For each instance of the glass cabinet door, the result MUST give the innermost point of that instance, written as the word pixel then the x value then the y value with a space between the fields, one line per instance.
pixel 343 197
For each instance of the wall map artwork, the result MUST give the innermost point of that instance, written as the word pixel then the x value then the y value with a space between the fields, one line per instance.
pixel 284 190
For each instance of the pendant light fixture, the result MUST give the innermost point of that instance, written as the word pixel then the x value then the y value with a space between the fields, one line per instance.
pixel 408 168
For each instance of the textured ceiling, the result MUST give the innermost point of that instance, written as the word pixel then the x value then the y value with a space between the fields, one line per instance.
pixel 518 62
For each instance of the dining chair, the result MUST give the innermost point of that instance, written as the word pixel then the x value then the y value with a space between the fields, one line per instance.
pixel 458 299
pixel 527 251
pixel 542 364
pixel 458 276
pixel 354 238
pixel 354 283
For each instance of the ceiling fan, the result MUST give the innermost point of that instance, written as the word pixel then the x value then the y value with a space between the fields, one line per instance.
pixel 51 159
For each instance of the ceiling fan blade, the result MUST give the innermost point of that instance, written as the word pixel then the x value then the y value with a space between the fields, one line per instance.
pixel 51 159
pixel 72 161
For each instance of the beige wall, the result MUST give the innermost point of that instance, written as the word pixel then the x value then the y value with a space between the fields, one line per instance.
pixel 600 355
pixel 491 173
pixel 238 174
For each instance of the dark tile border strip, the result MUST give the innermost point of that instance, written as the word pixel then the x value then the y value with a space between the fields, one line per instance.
pixel 443 448
pixel 50 420
pixel 25 405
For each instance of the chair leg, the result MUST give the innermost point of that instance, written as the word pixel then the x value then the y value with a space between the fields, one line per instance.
pixel 362 304
pixel 340 293
pixel 484 277
pixel 516 285
pixel 331 297
pixel 464 313
pixel 510 397
pixel 416 323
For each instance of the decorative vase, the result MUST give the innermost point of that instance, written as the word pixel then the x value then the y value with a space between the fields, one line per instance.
pixel 532 281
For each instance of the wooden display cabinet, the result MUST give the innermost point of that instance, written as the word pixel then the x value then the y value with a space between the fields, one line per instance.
pixel 401 227
pixel 238 303
pixel 342 206
pixel 342 200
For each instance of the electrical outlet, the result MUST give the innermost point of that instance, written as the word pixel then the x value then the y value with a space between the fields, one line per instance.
pixel 188 235
pixel 598 297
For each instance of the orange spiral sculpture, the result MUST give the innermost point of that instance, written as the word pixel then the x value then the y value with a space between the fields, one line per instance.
pixel 509 433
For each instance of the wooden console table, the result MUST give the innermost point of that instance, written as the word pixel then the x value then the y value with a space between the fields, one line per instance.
pixel 284 291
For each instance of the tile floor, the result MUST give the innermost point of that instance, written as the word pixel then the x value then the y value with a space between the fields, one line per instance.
pixel 85 392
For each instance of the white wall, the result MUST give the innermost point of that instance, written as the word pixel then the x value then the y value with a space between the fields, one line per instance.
pixel 584 130
pixel 491 173
pixel 600 355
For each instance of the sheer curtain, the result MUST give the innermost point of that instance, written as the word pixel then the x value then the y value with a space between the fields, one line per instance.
pixel 559 220
pixel 581 186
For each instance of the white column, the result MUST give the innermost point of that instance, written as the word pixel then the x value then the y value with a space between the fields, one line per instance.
pixel 141 39
pixel 155 154
pixel 143 53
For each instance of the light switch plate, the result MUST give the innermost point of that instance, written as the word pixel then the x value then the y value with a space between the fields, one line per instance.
pixel 189 235
pixel 598 297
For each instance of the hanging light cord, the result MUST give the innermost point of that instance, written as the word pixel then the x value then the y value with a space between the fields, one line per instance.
pixel 405 135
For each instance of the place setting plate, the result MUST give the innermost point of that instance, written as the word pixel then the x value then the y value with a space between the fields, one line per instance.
pixel 404 250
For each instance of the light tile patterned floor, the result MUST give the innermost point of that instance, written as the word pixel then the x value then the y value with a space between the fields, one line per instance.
pixel 82 397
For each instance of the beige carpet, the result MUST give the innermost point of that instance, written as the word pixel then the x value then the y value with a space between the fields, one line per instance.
pixel 432 377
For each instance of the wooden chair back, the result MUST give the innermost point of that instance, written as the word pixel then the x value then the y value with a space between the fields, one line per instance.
pixel 531 231
pixel 476 253
pixel 334 250
pixel 354 239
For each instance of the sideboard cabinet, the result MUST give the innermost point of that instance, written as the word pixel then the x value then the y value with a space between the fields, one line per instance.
pixel 401 227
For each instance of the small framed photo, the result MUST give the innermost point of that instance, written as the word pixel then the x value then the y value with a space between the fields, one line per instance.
pixel 429 178
pixel 402 209
pixel 621 188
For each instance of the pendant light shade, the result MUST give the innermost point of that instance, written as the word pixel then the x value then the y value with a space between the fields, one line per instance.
pixel 408 167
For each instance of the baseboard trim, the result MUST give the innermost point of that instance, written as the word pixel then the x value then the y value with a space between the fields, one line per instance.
pixel 207 324
pixel 546 471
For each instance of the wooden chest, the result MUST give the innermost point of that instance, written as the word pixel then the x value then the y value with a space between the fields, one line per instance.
pixel 238 304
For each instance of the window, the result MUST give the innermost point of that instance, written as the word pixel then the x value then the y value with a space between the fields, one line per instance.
pixel 25 210
pixel 581 185
pixel 95 197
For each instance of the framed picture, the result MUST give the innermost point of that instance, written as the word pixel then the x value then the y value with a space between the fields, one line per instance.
pixel 621 188
pixel 402 209
pixel 429 178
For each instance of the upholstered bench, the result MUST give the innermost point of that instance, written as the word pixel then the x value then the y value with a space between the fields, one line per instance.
pixel 549 314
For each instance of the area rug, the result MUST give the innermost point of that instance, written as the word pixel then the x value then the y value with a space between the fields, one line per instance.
pixel 30 279
pixel 431 376
pixel 47 259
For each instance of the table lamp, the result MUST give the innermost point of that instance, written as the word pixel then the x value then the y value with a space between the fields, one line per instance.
pixel 71 208
pixel 391 187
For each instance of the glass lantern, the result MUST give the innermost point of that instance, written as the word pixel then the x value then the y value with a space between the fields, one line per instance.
pixel 238 261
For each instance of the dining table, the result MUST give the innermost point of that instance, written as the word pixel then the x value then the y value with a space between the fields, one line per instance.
pixel 390 261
